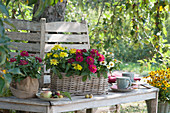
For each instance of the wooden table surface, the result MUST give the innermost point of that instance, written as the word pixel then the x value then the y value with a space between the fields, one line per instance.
pixel 80 102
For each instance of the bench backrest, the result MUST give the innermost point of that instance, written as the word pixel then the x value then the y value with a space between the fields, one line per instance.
pixel 39 37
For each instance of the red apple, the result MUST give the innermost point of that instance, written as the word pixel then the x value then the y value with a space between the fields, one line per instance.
pixel 46 94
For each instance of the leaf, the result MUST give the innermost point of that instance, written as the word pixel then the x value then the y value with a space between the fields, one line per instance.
pixel 31 2
pixel 15 71
pixel 69 74
pixel 84 78
pixel 41 8
pixel 67 67
pixel 2 57
pixel 8 77
pixel 7 2
pixel 2 84
pixel 3 9
pixel 67 94
pixel 105 74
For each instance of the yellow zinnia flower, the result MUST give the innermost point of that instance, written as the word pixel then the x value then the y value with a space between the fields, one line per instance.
pixel 72 51
pixel 62 48
pixel 78 67
pixel 54 62
pixel 56 47
pixel 63 54
pixel 56 55
pixel 49 54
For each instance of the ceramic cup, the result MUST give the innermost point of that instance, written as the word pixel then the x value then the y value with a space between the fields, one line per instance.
pixel 123 82
pixel 128 74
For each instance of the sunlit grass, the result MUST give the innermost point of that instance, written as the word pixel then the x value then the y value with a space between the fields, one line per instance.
pixel 136 68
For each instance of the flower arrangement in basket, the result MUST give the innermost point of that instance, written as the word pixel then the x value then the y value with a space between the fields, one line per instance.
pixel 81 63
pixel 161 80
pixel 25 70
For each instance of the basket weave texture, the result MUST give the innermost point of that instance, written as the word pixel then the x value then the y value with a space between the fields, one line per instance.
pixel 75 86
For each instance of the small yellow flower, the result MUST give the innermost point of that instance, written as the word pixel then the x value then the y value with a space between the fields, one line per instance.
pixel 115 60
pixel 159 84
pixel 160 8
pixel 167 85
pixel 56 47
pixel 63 54
pixel 54 62
pixel 62 48
pixel 78 67
pixel 1 77
pixel 4 71
pixel 72 51
pixel 49 54
pixel 56 55
pixel 164 88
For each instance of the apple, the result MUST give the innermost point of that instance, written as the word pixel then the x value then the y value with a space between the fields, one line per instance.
pixel 46 94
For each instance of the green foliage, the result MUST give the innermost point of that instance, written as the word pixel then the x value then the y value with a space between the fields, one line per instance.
pixel 24 65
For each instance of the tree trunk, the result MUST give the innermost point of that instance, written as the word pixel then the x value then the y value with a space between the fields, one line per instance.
pixel 52 13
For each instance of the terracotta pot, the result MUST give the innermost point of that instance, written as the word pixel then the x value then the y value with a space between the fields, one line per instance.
pixel 26 88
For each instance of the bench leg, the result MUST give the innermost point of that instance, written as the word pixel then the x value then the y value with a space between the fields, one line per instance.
pixel 152 105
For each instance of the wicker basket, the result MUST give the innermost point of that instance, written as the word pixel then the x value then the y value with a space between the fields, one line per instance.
pixel 76 86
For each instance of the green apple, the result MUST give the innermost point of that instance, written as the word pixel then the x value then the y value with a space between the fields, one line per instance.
pixel 46 94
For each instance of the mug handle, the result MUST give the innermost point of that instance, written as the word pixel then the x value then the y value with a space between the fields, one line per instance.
pixel 130 82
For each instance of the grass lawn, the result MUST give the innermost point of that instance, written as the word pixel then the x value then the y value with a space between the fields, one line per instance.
pixel 135 67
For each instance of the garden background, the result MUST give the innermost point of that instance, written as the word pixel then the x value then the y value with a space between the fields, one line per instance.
pixel 136 31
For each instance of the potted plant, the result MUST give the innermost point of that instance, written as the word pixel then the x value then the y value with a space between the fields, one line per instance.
pixel 25 71
pixel 80 64
pixel 161 80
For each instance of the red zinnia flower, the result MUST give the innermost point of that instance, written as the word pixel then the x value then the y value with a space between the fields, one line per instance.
pixel 13 59
pixel 39 59
pixel 79 52
pixel 79 58
pixel 92 68
pixel 90 60
pixel 71 60
pixel 24 53
pixel 23 62
pixel 101 57
pixel 84 50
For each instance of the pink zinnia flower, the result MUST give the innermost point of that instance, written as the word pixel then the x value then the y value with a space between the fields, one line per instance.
pixel 79 52
pixel 92 68
pixel 101 57
pixel 39 59
pixel 94 51
pixel 84 50
pixel 79 58
pixel 24 53
pixel 23 62
pixel 92 55
pixel 13 59
pixel 90 60
pixel 71 60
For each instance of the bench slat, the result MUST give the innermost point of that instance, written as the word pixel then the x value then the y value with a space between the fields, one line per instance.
pixel 66 27
pixel 23 25
pixel 66 38
pixel 24 36
pixel 33 47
